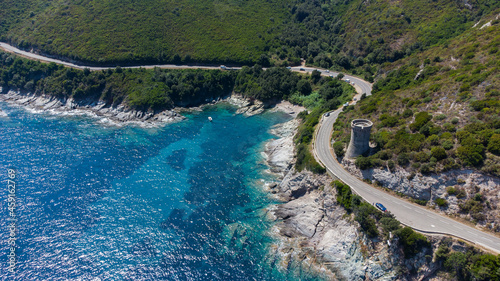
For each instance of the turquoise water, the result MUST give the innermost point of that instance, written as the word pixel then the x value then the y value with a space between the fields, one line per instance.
pixel 181 202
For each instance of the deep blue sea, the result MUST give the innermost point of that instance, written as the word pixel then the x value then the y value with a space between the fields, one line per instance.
pixel 97 202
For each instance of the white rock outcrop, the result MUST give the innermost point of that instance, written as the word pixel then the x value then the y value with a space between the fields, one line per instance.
pixel 113 114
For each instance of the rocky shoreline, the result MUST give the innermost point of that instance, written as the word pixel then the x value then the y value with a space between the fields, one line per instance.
pixel 315 235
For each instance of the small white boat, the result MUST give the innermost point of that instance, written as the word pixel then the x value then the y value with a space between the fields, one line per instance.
pixel 209 118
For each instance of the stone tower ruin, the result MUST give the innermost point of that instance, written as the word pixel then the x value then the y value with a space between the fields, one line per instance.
pixel 360 137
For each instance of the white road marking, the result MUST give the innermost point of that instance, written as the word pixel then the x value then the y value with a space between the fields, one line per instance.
pixel 433 225
pixel 444 222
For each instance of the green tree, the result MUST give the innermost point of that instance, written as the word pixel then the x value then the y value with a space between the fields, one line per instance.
pixel 441 202
pixel 421 119
pixel 456 263
pixel 363 162
pixel 389 224
pixel 411 241
pixel 364 217
pixel 344 194
pixel 486 267
pixel 403 159
pixel 471 155
pixel 315 76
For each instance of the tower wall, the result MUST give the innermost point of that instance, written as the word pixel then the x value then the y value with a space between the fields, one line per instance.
pixel 360 137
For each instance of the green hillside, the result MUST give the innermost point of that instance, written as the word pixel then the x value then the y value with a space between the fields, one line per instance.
pixel 356 36
pixel 437 110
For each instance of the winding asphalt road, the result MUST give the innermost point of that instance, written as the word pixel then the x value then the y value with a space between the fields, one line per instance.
pixel 412 215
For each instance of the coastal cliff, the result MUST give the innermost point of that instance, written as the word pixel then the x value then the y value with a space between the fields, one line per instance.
pixel 122 114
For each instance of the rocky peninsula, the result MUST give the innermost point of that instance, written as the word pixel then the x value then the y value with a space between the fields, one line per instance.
pixel 314 233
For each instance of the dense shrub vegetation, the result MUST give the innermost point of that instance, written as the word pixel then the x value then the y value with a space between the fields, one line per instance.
pixel 273 84
pixel 126 32
pixel 357 35
pixel 433 115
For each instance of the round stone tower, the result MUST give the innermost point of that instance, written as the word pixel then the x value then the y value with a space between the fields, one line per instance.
pixel 360 137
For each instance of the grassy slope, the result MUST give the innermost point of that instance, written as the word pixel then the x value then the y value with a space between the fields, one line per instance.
pixel 153 30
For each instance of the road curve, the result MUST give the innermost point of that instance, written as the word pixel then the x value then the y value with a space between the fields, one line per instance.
pixel 407 213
